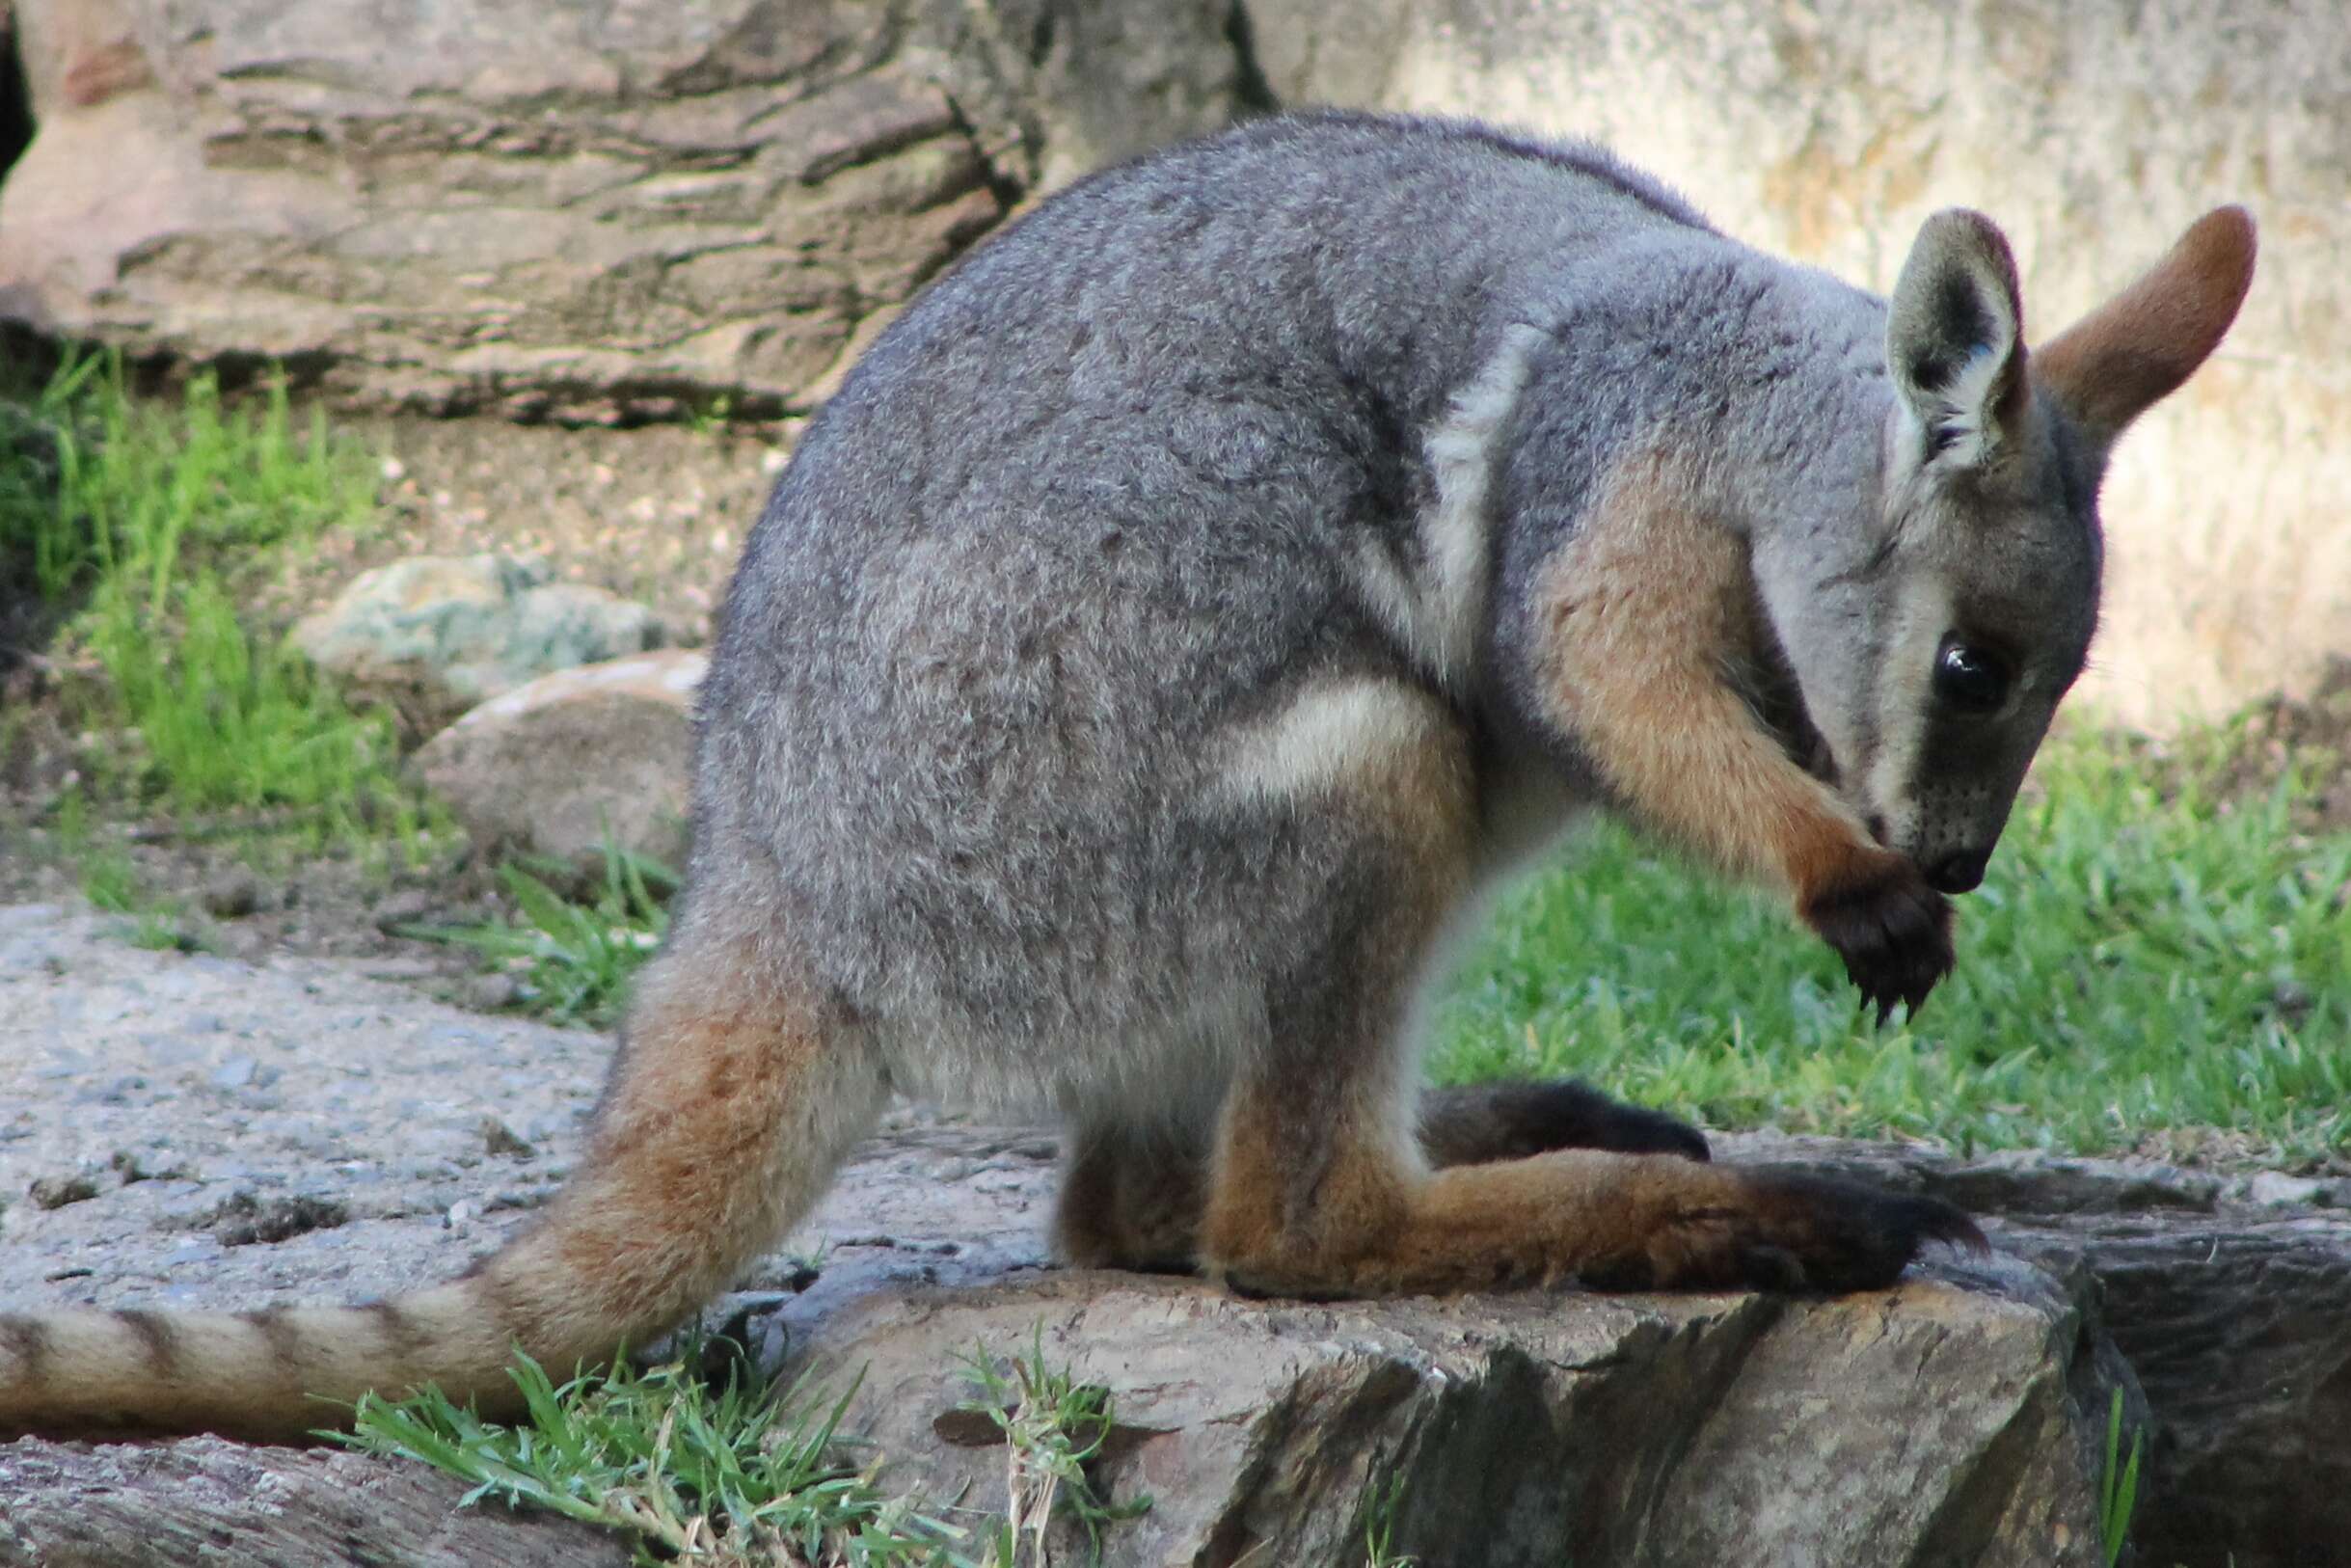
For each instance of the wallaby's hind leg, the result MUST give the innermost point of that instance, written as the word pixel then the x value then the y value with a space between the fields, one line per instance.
pixel 1300 1207
pixel 1478 1123
pixel 1131 1196
pixel 733 1099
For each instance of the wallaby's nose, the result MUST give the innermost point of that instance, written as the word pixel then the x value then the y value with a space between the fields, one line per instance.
pixel 1959 873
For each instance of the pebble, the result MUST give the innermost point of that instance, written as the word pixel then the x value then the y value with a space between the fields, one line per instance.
pixel 232 893
pixel 2273 1189
pixel 56 1192
pixel 493 992
pixel 498 1138
pixel 404 908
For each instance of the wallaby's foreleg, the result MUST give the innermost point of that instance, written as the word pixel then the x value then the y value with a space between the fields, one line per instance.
pixel 1303 1206
pixel 1642 618
pixel 736 1095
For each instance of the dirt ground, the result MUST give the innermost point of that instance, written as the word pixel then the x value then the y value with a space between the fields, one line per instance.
pixel 656 514
pixel 2311 736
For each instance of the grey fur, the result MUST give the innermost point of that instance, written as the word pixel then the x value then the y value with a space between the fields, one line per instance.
pixel 1099 499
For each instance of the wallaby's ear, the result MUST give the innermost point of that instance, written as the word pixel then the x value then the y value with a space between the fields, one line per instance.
pixel 1955 337
pixel 2113 364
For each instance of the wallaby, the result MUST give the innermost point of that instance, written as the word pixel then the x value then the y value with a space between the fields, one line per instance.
pixel 1181 617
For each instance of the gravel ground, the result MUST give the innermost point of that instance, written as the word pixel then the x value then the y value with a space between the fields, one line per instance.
pixel 251 1100
pixel 191 1130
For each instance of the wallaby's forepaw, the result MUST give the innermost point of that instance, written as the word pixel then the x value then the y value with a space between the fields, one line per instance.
pixel 1790 1229
pixel 1890 928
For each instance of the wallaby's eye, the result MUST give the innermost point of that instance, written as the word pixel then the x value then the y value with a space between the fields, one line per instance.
pixel 1969 677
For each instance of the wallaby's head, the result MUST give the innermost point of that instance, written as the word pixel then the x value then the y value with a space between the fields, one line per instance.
pixel 1933 664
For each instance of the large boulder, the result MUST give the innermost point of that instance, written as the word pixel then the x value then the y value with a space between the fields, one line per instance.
pixel 575 760
pixel 1827 129
pixel 549 208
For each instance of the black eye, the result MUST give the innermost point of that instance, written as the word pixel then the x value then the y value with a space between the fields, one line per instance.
pixel 1970 678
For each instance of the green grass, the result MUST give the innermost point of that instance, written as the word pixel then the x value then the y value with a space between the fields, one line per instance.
pixel 2147 964
pixel 574 958
pixel 2142 961
pixel 2117 1484
pixel 1054 1429
pixel 1379 1524
pixel 721 1476
pixel 725 1477
pixel 146 520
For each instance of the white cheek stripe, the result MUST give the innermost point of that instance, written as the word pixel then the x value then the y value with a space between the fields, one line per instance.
pixel 1904 698
pixel 1436 611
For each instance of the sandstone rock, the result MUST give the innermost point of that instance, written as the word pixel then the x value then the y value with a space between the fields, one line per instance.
pixel 1827 129
pixel 552 210
pixel 2235 1318
pixel 435 635
pixel 553 767
pixel 1937 1421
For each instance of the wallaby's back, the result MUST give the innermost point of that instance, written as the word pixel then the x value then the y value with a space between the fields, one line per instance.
pixel 1132 471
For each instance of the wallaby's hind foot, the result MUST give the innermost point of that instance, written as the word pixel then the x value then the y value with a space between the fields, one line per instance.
pixel 1344 1216
pixel 1787 1230
pixel 1132 1198
pixel 728 1109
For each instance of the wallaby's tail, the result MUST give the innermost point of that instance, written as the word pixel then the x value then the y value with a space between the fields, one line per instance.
pixel 732 1101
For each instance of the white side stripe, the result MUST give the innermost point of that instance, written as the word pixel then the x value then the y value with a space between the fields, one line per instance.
pixel 1436 613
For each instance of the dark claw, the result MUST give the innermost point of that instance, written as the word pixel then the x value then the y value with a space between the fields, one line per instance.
pixel 1849 1236
pixel 1893 933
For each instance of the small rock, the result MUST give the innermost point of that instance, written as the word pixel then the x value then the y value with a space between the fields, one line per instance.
pixel 460 1212
pixel 56 1192
pixel 242 1219
pixel 557 767
pixel 127 1165
pixel 237 1072
pixel 433 635
pixel 2273 1189
pixel 498 1138
pixel 232 893
pixel 404 908
pixel 492 992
